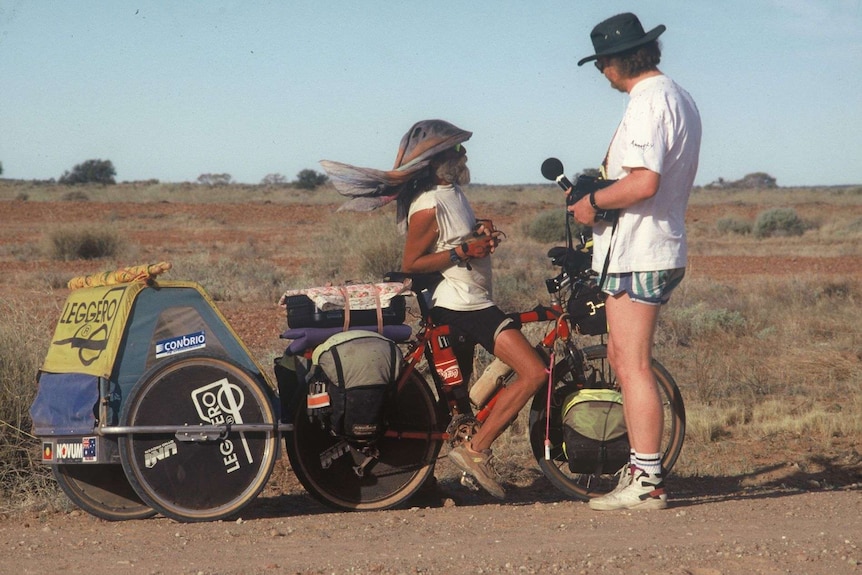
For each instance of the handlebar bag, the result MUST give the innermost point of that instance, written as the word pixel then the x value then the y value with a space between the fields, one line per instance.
pixel 360 368
pixel 586 309
pixel 595 439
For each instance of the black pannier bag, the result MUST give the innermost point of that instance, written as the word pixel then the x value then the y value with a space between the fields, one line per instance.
pixel 595 439
pixel 301 312
pixel 586 309
pixel 361 368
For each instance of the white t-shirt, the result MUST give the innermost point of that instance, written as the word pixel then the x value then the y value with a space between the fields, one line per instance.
pixel 461 289
pixel 660 131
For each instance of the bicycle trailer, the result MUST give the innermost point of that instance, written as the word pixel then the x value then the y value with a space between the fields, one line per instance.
pixel 149 402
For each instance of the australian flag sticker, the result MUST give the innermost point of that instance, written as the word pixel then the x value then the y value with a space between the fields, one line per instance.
pixel 88 449
pixel 181 344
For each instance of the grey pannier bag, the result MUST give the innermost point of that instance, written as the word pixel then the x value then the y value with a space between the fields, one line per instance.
pixel 361 368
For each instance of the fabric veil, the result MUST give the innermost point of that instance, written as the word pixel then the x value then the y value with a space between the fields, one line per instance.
pixel 369 189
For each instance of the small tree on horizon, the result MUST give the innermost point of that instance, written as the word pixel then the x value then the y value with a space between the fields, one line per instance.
pixel 757 180
pixel 274 180
pixel 215 179
pixel 90 172
pixel 309 179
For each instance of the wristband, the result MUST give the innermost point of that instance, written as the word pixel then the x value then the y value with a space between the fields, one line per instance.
pixel 593 201
pixel 453 255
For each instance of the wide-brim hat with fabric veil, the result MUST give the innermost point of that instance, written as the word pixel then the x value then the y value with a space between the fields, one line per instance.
pixel 370 189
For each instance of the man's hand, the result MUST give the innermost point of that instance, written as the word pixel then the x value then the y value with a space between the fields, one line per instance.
pixel 583 211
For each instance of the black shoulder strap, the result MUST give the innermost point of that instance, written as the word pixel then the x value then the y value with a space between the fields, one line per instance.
pixel 608 255
pixel 339 372
pixel 570 246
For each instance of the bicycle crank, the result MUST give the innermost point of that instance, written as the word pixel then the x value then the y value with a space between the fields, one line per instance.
pixel 462 428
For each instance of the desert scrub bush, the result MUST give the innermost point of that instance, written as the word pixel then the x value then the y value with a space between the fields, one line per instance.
pixel 733 226
pixel 237 273
pixel 550 226
pixel 79 243
pixel 854 226
pixel 762 338
pixel 519 275
pixel 778 222
pixel 362 247
pixel 75 196
pixel 702 320
pixel 546 227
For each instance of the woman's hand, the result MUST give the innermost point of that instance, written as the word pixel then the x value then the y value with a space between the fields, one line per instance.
pixel 479 247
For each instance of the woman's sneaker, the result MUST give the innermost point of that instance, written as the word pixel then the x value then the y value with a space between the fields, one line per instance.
pixel 644 491
pixel 475 463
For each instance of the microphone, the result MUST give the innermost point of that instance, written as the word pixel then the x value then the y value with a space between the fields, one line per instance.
pixel 552 169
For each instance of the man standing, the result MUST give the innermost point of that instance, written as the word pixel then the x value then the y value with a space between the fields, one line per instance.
pixel 653 156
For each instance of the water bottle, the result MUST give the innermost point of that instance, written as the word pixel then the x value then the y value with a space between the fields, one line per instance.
pixel 445 362
pixel 488 383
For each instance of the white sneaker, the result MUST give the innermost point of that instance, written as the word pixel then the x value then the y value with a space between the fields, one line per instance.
pixel 625 473
pixel 639 491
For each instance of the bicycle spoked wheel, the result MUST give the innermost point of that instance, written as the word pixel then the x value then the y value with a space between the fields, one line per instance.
pixel 400 468
pixel 587 486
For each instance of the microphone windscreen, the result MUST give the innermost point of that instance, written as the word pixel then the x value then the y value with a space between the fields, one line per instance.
pixel 552 168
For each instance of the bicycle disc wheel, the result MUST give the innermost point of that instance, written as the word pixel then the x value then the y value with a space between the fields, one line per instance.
pixel 101 490
pixel 587 486
pixel 196 478
pixel 326 465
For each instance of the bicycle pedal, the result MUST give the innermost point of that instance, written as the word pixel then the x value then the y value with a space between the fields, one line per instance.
pixel 469 481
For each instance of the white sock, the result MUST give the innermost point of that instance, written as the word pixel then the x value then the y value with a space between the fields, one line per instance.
pixel 649 462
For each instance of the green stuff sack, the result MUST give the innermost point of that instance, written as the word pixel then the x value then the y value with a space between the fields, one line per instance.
pixel 595 439
pixel 361 368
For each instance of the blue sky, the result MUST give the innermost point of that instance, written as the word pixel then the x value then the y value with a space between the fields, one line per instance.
pixel 171 90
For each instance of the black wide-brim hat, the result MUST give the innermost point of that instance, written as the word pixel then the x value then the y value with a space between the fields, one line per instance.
pixel 618 34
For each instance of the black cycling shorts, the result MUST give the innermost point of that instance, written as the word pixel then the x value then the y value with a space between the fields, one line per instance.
pixel 480 326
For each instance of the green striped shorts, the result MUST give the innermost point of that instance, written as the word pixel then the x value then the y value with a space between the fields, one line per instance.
pixel 647 287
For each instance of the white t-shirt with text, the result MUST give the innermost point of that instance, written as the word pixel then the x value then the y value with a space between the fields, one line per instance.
pixel 660 131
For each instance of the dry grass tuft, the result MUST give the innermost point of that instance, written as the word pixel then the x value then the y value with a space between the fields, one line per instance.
pixel 23 480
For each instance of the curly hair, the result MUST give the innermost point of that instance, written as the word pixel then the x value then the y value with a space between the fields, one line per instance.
pixel 639 60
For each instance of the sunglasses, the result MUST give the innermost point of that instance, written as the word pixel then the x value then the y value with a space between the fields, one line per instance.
pixel 459 149
pixel 600 65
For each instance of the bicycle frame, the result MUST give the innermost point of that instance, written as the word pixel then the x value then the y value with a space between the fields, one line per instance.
pixel 422 348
